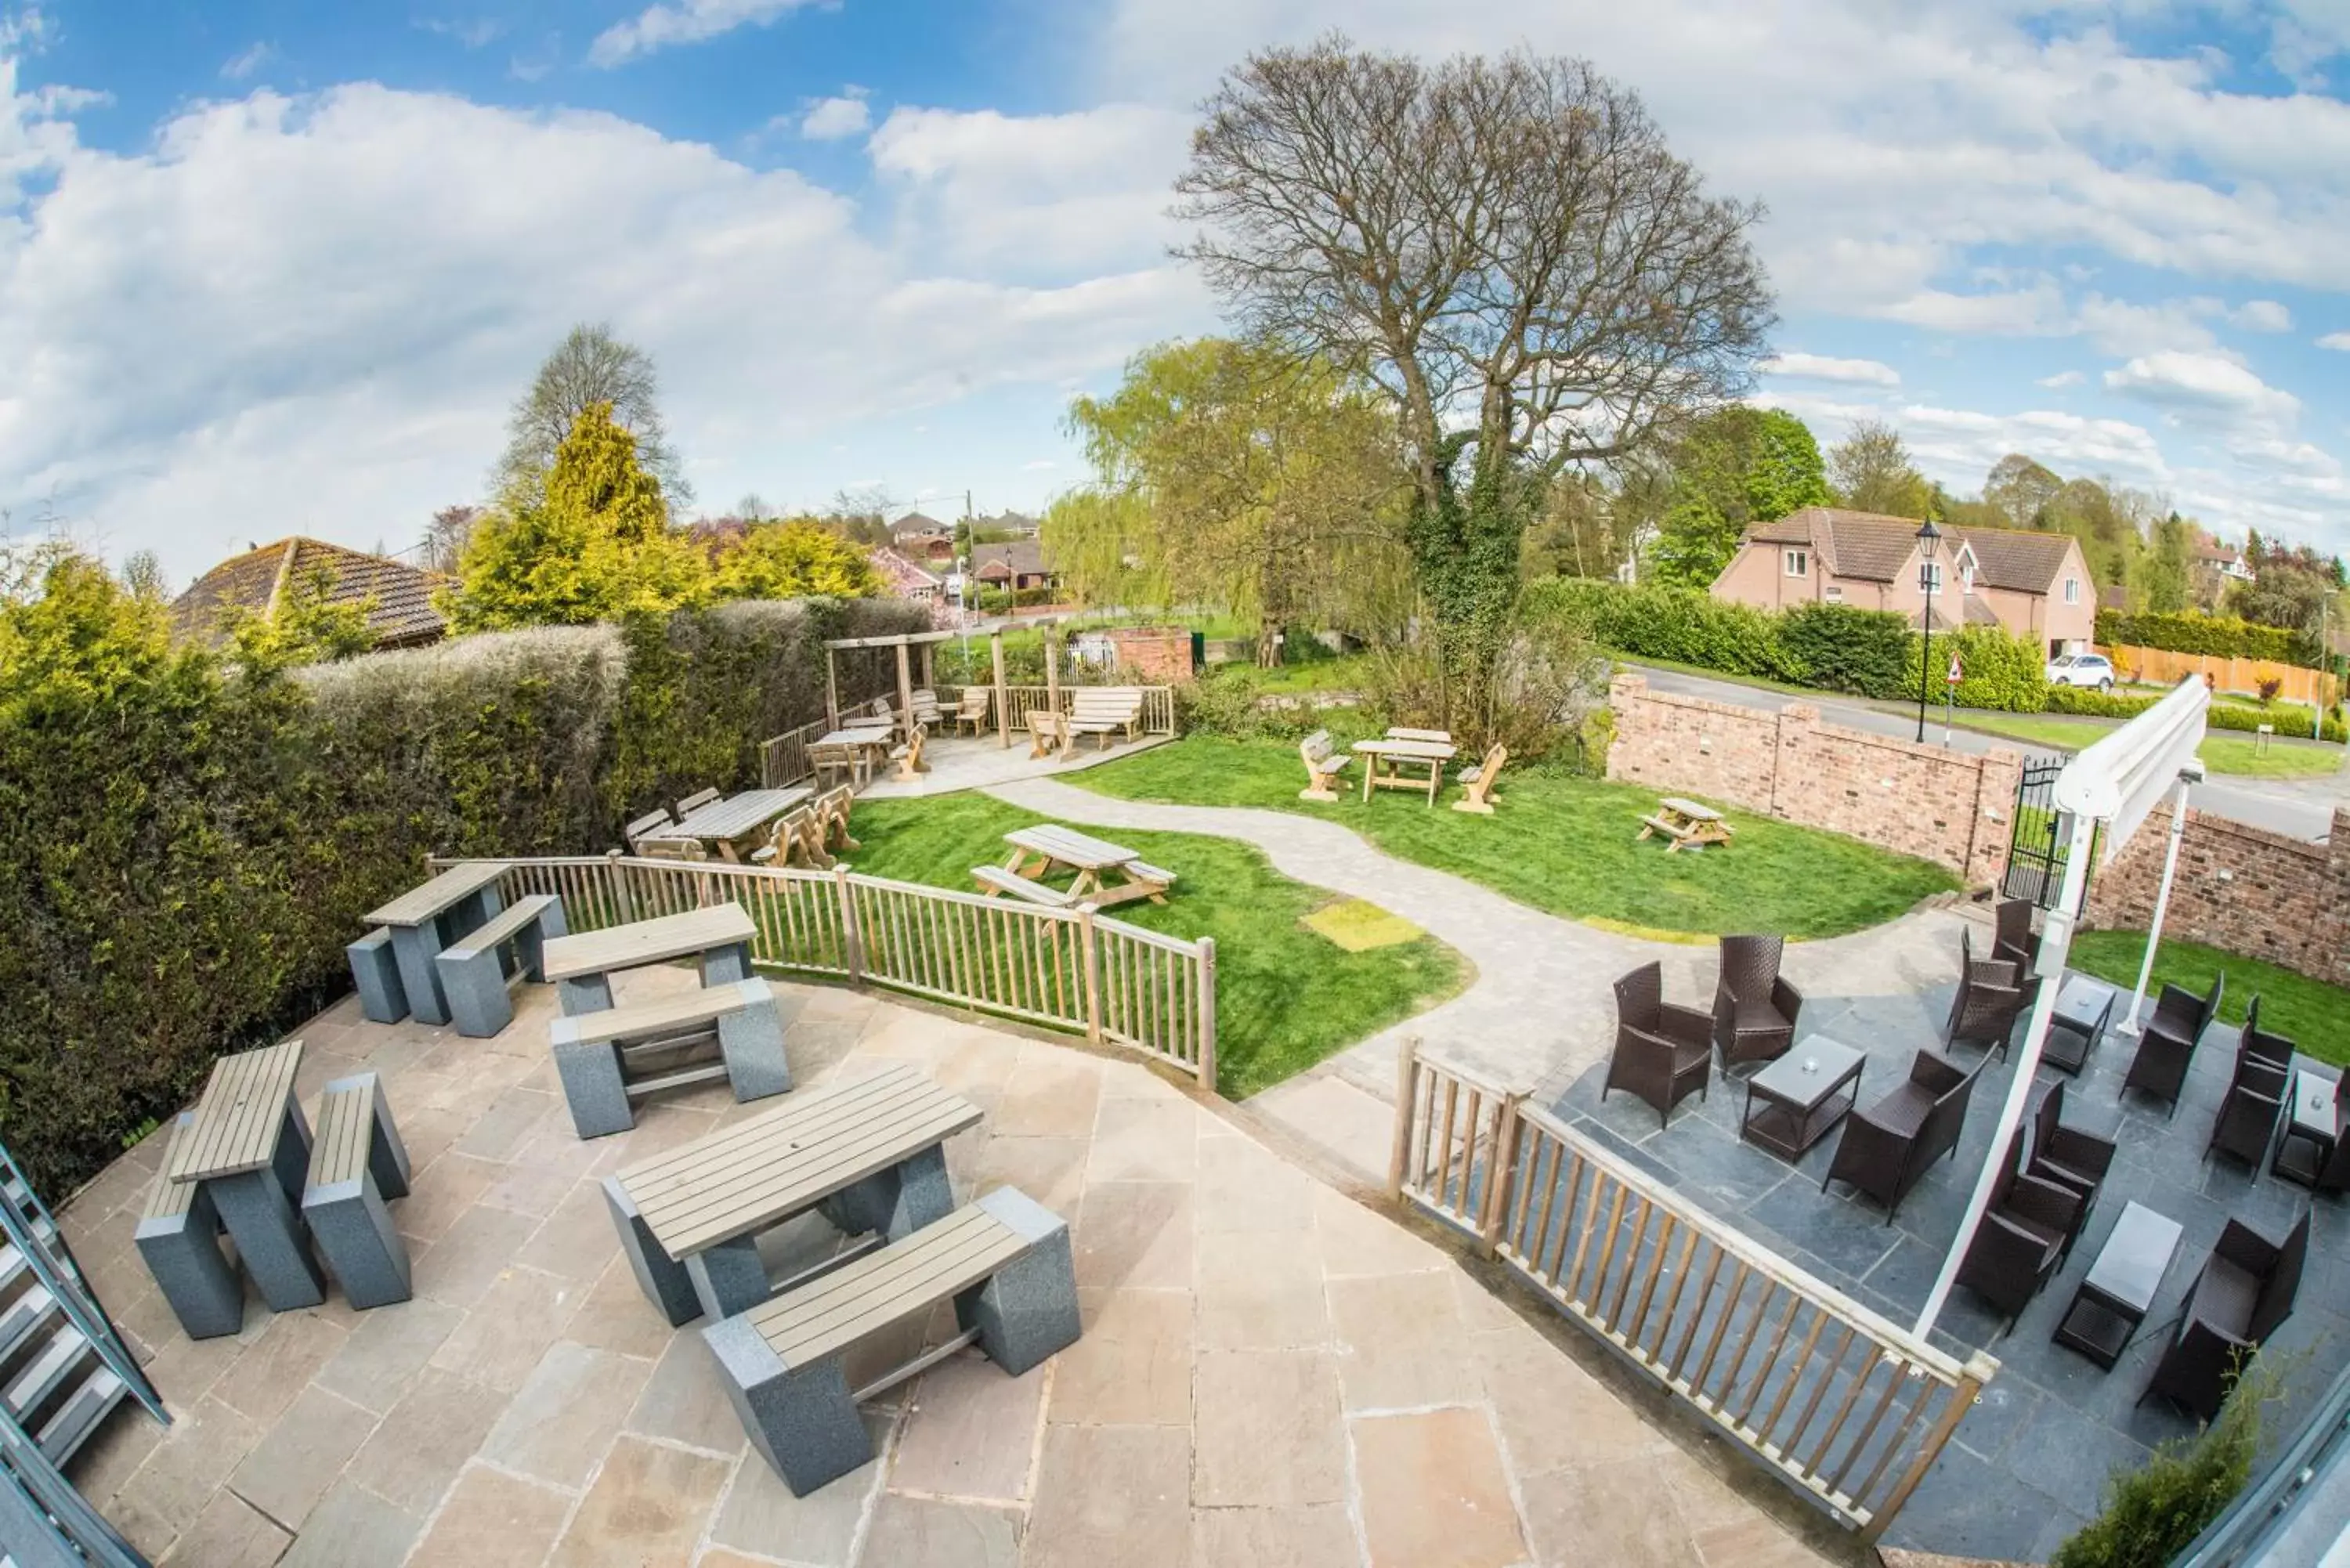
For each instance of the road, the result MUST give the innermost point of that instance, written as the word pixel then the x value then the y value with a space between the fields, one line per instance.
pixel 2301 807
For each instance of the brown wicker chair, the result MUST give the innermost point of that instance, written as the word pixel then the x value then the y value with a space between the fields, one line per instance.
pixel 1663 1051
pixel 2014 939
pixel 1993 994
pixel 1887 1146
pixel 2274 1049
pixel 2024 1235
pixel 2072 1157
pixel 1753 1009
pixel 2167 1047
pixel 2245 1290
pixel 2247 1123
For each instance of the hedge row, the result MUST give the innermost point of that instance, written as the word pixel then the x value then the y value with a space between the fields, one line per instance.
pixel 1836 648
pixel 187 846
pixel 2220 637
pixel 2290 718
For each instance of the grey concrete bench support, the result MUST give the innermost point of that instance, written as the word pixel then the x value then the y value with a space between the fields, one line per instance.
pixel 267 1227
pixel 728 1278
pixel 662 1277
pixel 750 1043
pixel 896 1201
pixel 804 1421
pixel 345 1200
pixel 179 1238
pixel 416 947
pixel 593 1088
pixel 472 973
pixel 596 1083
pixel 374 969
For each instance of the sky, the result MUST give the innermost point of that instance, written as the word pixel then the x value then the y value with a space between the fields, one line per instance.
pixel 269 268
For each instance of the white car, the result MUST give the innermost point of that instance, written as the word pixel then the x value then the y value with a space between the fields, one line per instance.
pixel 2082 670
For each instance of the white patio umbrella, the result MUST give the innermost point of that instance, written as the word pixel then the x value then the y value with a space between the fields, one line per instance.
pixel 2116 782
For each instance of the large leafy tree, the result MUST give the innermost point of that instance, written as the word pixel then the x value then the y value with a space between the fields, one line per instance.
pixel 789 559
pixel 1270 486
pixel 590 366
pixel 2162 580
pixel 1871 472
pixel 2022 489
pixel 1507 249
pixel 1733 468
pixel 597 544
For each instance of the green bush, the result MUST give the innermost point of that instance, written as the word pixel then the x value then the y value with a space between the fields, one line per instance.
pixel 1842 648
pixel 2220 637
pixel 1686 626
pixel 2290 718
pixel 2154 1511
pixel 2096 704
pixel 185 845
pixel 2000 672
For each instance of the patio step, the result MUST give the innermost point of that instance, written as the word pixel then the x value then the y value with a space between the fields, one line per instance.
pixel 708 1073
pixel 79 1413
pixel 52 1372
pixel 23 1320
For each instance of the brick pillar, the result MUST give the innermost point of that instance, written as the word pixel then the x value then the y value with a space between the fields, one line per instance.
pixel 1798 728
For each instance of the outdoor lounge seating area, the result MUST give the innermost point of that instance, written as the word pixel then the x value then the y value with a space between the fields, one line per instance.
pixel 2127 1254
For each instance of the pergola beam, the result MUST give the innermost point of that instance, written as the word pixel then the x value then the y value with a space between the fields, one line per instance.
pixel 903 639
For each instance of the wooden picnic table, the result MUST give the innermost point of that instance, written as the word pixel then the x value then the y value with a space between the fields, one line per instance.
pixel 871 740
pixel 1040 851
pixel 730 822
pixel 1689 825
pixel 581 967
pixel 431 917
pixel 868 1153
pixel 248 1147
pixel 1396 752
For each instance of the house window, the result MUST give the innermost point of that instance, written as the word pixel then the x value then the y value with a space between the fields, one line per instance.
pixel 1799 562
pixel 1967 577
pixel 2072 591
pixel 1930 577
pixel 1833 594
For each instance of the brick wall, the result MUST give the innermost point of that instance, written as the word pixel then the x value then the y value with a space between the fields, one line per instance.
pixel 1157 653
pixel 1947 807
pixel 2240 888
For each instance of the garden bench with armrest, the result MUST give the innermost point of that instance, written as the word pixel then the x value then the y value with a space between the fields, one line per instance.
pixel 971 709
pixel 1890 1144
pixel 2246 1289
pixel 1105 710
pixel 1047 732
pixel 1478 781
pixel 2167 1046
pixel 647 826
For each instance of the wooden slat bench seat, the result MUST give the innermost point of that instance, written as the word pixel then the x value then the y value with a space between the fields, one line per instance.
pixel 1322 766
pixel 357 1167
pixel 1477 783
pixel 867 1155
pixel 582 966
pixel 178 1236
pixel 995 880
pixel 611 1060
pixel 1005 1264
pixel 1105 710
pixel 475 971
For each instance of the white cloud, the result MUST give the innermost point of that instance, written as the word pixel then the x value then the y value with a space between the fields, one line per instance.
pixel 241 66
pixel 2208 384
pixel 477 33
pixel 2339 341
pixel 2061 379
pixel 831 119
pixel 681 22
pixel 2262 315
pixel 1820 367
pixel 2035 312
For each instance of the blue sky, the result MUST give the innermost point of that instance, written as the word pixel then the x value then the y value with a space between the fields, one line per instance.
pixel 269 268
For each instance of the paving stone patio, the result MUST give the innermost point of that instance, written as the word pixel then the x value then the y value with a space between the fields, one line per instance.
pixel 2028 1464
pixel 1271 1374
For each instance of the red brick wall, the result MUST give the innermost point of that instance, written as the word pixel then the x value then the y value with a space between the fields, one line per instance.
pixel 2240 888
pixel 1157 653
pixel 1949 807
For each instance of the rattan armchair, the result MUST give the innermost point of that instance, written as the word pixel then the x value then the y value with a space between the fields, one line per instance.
pixel 1993 994
pixel 2024 1235
pixel 2167 1047
pixel 2071 1158
pixel 2257 1043
pixel 2014 939
pixel 1664 1053
pixel 2245 1290
pixel 2247 1123
pixel 1887 1146
pixel 1753 1009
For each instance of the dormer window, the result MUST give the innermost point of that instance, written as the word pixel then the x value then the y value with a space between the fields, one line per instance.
pixel 1965 561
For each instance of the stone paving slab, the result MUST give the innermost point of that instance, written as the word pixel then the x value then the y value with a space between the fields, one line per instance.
pixel 1271 1374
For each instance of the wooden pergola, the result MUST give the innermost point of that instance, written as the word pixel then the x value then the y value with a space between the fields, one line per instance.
pixel 928 641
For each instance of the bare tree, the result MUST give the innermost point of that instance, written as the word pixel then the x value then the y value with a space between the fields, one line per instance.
pixel 446 537
pixel 590 366
pixel 1506 246
pixel 143 575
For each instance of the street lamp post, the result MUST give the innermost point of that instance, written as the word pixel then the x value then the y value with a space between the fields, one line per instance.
pixel 1928 539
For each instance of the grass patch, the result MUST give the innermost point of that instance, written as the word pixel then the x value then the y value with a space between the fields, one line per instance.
pixel 1285 997
pixel 1565 844
pixel 1358 927
pixel 2222 751
pixel 2314 1015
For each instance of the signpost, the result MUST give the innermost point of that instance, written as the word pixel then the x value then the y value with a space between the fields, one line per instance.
pixel 1951 692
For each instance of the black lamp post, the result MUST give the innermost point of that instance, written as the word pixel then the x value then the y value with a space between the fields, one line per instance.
pixel 1928 539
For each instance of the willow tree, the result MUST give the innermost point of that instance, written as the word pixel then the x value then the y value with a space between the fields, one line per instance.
pixel 1239 475
pixel 1506 249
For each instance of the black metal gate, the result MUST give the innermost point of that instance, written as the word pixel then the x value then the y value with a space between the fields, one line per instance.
pixel 2036 848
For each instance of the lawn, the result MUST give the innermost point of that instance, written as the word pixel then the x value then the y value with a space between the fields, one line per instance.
pixel 1286 996
pixel 1566 845
pixel 2316 1016
pixel 2222 751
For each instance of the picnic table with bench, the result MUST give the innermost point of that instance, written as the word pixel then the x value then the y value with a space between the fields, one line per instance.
pixel 856 749
pixel 475 971
pixel 867 1155
pixel 1687 824
pixel 581 967
pixel 730 824
pixel 1040 851
pixel 610 1060
pixel 1396 753
pixel 413 928
pixel 247 1148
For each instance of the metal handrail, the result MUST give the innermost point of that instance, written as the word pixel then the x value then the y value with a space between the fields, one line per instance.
pixel 45 1488
pixel 62 1276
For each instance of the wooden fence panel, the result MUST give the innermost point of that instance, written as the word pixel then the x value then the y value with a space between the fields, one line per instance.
pixel 1844 1404
pixel 2166 667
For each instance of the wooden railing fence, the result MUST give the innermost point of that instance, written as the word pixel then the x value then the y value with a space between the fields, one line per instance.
pixel 1065 968
pixel 1843 1403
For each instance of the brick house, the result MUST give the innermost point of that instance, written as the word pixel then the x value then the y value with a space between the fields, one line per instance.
pixel 398 597
pixel 2036 585
pixel 1020 564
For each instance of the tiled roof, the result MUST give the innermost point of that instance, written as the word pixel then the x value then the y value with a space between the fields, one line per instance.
pixel 399 596
pixel 1024 557
pixel 1872 549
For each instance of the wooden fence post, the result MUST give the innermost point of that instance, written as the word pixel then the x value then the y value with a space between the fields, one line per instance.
pixel 1092 962
pixel 618 876
pixel 1407 1085
pixel 1962 1399
pixel 1501 1170
pixel 852 941
pixel 1207 1070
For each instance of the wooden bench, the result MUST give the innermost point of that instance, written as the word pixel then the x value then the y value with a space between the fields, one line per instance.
pixel 474 973
pixel 925 708
pixel 689 850
pixel 645 826
pixel 1322 766
pixel 609 1061
pixel 909 756
pixel 836 761
pixel 1005 1264
pixel 1048 731
pixel 695 802
pixel 971 711
pixel 375 970
pixel 1105 710
pixel 178 1237
pixel 866 1155
pixel 582 966
pixel 1478 781
pixel 1687 824
pixel 356 1166
pixel 995 880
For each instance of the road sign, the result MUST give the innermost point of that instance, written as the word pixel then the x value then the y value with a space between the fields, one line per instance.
pixel 1958 671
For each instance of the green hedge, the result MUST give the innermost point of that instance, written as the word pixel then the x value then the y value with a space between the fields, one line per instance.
pixel 2222 636
pixel 186 846
pixel 2290 718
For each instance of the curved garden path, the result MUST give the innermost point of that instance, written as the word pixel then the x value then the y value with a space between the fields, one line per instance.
pixel 1539 1009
